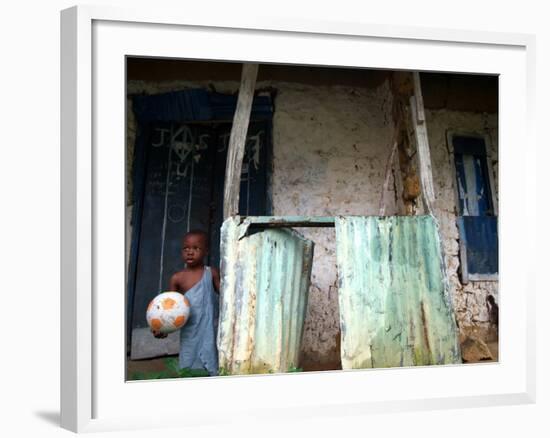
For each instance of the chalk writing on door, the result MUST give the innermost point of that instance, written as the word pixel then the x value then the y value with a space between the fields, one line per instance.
pixel 252 151
pixel 185 149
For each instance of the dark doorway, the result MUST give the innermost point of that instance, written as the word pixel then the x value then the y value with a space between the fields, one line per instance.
pixel 179 172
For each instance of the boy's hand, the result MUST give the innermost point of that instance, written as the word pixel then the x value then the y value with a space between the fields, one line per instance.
pixel 159 335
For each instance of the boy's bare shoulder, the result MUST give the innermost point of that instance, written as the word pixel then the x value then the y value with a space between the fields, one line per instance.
pixel 178 281
pixel 180 275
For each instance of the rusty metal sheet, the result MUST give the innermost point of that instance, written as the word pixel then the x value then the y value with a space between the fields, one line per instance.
pixel 264 287
pixel 395 308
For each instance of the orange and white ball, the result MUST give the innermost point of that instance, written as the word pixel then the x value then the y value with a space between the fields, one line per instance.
pixel 168 312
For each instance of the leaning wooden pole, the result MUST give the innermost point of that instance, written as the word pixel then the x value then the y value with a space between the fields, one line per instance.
pixel 389 167
pixel 237 140
pixel 422 145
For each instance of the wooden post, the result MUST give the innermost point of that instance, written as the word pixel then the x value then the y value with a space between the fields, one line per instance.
pixel 389 165
pixel 422 145
pixel 419 98
pixel 237 140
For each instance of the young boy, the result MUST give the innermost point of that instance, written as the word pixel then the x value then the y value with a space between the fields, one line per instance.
pixel 200 284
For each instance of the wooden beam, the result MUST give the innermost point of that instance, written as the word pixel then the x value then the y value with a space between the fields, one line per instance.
pixel 422 145
pixel 237 140
pixel 419 98
pixel 389 166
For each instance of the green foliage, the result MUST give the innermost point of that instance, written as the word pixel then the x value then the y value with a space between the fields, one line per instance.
pixel 152 375
pixel 138 376
pixel 171 371
pixel 188 372
pixel 172 364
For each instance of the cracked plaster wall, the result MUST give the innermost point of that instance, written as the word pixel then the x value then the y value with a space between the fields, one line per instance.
pixel 470 301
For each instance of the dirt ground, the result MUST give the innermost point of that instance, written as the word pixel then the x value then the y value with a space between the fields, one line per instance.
pixel 157 364
pixel 146 366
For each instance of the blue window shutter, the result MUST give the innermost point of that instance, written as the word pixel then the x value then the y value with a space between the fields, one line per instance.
pixel 480 238
pixel 477 224
pixel 473 188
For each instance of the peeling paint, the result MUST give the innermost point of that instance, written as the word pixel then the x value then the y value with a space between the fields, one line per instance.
pixel 264 289
pixel 394 304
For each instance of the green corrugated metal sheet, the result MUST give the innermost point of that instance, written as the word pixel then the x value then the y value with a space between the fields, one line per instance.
pixel 265 282
pixel 394 304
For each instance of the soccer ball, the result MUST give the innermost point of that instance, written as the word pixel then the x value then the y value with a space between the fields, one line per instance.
pixel 168 312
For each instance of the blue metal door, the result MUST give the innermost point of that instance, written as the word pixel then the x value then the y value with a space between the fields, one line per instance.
pixel 179 172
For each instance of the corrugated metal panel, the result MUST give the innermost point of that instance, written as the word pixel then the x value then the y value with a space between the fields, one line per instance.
pixel 265 281
pixel 394 304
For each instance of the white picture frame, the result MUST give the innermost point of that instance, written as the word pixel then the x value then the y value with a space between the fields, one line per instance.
pixel 94 43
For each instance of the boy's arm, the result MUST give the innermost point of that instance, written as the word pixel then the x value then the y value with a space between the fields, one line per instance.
pixel 216 279
pixel 174 285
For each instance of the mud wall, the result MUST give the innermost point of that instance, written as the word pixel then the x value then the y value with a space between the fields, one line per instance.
pixel 470 301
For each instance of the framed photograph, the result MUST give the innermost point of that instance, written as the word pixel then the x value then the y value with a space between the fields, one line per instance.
pixel 303 218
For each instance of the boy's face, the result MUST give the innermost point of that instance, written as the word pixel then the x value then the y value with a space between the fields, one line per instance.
pixel 194 250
